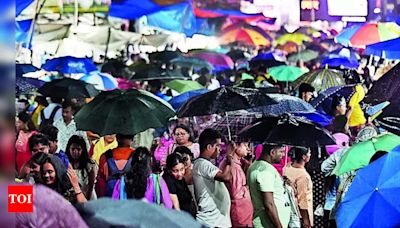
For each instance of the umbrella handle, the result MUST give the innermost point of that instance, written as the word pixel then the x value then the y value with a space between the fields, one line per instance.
pixel 229 128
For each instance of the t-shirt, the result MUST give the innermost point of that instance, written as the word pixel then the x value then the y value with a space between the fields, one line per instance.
pixel 181 190
pixel 212 196
pixel 263 177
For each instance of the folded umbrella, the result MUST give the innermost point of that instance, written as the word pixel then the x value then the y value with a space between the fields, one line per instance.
pixel 68 88
pixel 177 101
pixel 70 65
pixel 123 112
pixel 182 86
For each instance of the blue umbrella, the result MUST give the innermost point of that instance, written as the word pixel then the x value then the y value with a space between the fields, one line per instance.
pixel 70 65
pixel 178 101
pixel 269 59
pixel 316 117
pixel 23 86
pixel 21 69
pixel 101 81
pixel 323 103
pixel 373 198
pixel 389 49
pixel 348 53
pixel 334 60
pixel 286 104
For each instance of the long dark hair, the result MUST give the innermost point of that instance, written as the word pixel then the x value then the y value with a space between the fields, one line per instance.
pixel 136 178
pixel 27 119
pixel 173 160
pixel 63 184
pixel 84 159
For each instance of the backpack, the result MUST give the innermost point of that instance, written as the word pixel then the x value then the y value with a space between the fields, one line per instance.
pixel 114 174
pixel 48 122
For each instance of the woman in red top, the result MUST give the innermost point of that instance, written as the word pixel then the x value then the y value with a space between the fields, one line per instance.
pixel 25 129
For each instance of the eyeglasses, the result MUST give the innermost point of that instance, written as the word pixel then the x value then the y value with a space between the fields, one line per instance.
pixel 180 133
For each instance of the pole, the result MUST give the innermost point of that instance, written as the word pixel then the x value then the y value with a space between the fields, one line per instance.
pixel 76 13
pixel 229 128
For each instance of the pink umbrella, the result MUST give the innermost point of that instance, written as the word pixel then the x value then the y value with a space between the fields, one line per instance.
pixel 218 60
pixel 342 140
pixel 126 84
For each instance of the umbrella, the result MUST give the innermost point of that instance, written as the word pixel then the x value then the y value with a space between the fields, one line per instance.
pixel 389 49
pixel 321 79
pixel 177 101
pixel 101 81
pixel 146 72
pixel 269 59
pixel 285 104
pixel 305 55
pixel 68 88
pixel 164 56
pixel 286 73
pixel 123 112
pixel 347 52
pixel 192 62
pixel 324 100
pixel 288 47
pixel 218 60
pixel 236 54
pixel 245 33
pixel 125 84
pixel 359 154
pixel 297 38
pixel 365 34
pixel 390 123
pixel 70 65
pixel 372 199
pixel 21 69
pixel 182 86
pixel 223 100
pixel 287 130
pixel 316 117
pixel 22 85
pixel 106 212
pixel 339 62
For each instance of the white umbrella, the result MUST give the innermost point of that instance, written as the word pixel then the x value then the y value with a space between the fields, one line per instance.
pixel 101 81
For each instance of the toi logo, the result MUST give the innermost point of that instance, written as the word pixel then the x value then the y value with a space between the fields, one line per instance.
pixel 20 198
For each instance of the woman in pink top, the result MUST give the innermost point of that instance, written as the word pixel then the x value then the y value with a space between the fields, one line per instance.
pixel 184 137
pixel 25 129
pixel 241 205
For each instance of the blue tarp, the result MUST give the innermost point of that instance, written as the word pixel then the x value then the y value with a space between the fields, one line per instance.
pixel 133 9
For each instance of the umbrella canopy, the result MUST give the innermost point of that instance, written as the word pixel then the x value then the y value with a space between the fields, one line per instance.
pixel 286 73
pixel 365 34
pixel 177 101
pixel 389 49
pixel 106 212
pixel 316 117
pixel 223 100
pixel 25 85
pixel 324 100
pixel 182 86
pixel 338 61
pixel 287 130
pixel 297 38
pixel 123 112
pixel 372 199
pixel 321 79
pixel 269 59
pixel 164 56
pixel 285 104
pixel 360 154
pixel 21 69
pixel 70 65
pixel 125 84
pixel 146 72
pixel 187 61
pixel 391 124
pixel 236 54
pixel 101 81
pixel 288 47
pixel 245 33
pixel 218 60
pixel 68 88
pixel 305 55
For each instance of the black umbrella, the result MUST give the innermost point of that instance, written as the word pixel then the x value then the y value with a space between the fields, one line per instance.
pixel 68 88
pixel 287 130
pixel 146 72
pixel 236 54
pixel 26 85
pixel 164 56
pixel 223 100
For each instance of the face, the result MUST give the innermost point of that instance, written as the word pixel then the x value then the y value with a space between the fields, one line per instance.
pixel 307 96
pixel 20 125
pixel 75 151
pixel 307 157
pixel 277 154
pixel 181 136
pixel 187 161
pixel 242 149
pixel 49 174
pixel 40 148
pixel 67 114
pixel 216 148
pixel 109 138
pixel 178 171
pixel 53 147
pixel 35 170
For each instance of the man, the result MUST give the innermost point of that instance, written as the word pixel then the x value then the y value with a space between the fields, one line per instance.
pixel 270 201
pixel 52 132
pixel 39 143
pixel 67 127
pixel 306 92
pixel 51 113
pixel 119 158
pixel 211 193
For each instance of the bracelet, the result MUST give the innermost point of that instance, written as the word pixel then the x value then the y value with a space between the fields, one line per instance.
pixel 78 193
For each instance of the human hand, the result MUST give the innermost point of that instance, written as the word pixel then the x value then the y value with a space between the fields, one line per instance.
pixel 73 178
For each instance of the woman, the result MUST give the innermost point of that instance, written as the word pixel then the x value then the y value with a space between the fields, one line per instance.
pixel 183 137
pixel 178 190
pixel 25 129
pixel 35 163
pixel 302 183
pixel 341 115
pixel 55 176
pixel 86 169
pixel 241 205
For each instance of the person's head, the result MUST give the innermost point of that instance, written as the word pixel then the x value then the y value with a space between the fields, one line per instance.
pixel 338 105
pixel 136 178
pixel 56 100
pixel 183 134
pixel 377 155
pixel 51 132
pixel 300 154
pixel 36 161
pixel 186 154
pixel 176 165
pixel 41 100
pixel 67 111
pixel 124 140
pixel 54 175
pixel 210 143
pixel 242 148
pixel 306 91
pixel 77 151
pixel 273 152
pixel 109 138
pixel 24 122
pixel 39 143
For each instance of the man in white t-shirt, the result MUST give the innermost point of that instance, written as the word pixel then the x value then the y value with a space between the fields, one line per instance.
pixel 211 194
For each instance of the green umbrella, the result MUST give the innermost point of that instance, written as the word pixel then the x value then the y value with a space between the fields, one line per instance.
pixel 360 154
pixel 123 112
pixel 321 79
pixel 286 73
pixel 182 86
pixel 305 55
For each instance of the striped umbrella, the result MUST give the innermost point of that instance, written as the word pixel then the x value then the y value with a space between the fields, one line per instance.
pixel 321 79
pixel 245 33
pixel 366 34
pixel 101 81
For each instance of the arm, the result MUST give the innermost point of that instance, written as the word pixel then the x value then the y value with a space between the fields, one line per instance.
pixel 226 174
pixel 92 178
pixel 269 204
pixel 302 187
pixel 80 196
pixel 175 201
